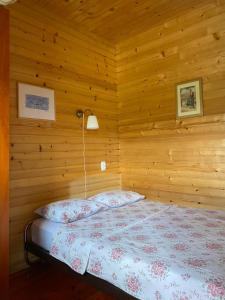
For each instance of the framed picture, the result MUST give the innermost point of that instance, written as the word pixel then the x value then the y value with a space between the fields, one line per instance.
pixel 36 102
pixel 189 98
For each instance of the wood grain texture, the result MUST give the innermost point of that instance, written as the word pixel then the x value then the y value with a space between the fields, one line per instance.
pixel 164 158
pixel 116 20
pixel 167 159
pixel 4 150
pixel 46 158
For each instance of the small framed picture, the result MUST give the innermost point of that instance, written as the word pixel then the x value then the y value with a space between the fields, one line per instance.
pixel 189 98
pixel 36 102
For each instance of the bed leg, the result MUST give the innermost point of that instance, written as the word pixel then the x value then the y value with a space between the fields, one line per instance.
pixel 26 238
pixel 26 257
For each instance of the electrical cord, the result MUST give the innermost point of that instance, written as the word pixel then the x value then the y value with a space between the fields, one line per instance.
pixel 84 158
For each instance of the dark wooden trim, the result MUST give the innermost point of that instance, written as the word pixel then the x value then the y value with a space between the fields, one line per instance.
pixel 4 150
pixel 98 283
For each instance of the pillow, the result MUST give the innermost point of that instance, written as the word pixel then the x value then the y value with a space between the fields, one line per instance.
pixel 117 198
pixel 70 210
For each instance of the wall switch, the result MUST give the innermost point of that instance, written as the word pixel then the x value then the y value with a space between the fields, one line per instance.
pixel 103 166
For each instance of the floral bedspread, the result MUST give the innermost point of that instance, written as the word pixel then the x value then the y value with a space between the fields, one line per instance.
pixel 151 251
pixel 178 254
pixel 73 242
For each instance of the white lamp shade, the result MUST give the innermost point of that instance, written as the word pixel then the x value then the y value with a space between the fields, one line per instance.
pixel 92 123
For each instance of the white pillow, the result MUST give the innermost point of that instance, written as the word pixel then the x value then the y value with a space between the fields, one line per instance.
pixel 70 210
pixel 117 198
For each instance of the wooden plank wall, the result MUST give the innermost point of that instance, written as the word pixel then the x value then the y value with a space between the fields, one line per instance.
pixel 165 158
pixel 46 157
pixel 168 159
pixel 4 151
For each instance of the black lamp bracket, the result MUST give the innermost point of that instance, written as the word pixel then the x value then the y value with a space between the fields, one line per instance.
pixel 80 113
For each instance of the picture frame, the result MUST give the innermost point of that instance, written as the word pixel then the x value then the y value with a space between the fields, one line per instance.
pixel 36 102
pixel 189 98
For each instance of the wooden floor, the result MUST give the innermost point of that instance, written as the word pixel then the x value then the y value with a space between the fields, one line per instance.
pixel 43 282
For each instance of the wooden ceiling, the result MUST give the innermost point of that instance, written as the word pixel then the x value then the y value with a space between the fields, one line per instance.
pixel 115 20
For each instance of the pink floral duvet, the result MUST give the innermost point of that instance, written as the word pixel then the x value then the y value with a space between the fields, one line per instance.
pixel 149 250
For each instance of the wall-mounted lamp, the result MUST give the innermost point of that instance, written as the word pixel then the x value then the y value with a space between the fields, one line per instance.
pixel 92 124
pixel 92 121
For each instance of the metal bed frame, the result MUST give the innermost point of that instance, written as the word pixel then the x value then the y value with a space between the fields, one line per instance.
pixel 32 248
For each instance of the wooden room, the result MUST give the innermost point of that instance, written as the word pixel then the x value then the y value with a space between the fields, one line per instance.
pixel 112 149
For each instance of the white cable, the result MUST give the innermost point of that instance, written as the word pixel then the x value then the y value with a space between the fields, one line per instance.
pixel 84 159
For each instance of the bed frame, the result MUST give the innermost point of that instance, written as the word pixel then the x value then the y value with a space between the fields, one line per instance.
pixel 32 248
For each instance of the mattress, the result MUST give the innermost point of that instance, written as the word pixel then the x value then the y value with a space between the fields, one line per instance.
pixel 43 231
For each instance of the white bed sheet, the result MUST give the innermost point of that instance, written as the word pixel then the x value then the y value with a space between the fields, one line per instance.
pixel 43 231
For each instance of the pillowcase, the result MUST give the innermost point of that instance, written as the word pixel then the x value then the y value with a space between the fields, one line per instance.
pixel 117 198
pixel 70 210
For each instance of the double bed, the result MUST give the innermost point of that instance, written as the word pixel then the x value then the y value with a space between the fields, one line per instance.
pixel 147 249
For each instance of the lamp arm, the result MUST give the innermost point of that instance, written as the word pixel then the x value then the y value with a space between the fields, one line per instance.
pixel 80 113
pixel 88 112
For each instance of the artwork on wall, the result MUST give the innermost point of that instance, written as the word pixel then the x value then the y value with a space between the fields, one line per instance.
pixel 189 98
pixel 36 102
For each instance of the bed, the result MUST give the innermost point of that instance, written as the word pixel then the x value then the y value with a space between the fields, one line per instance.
pixel 146 249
